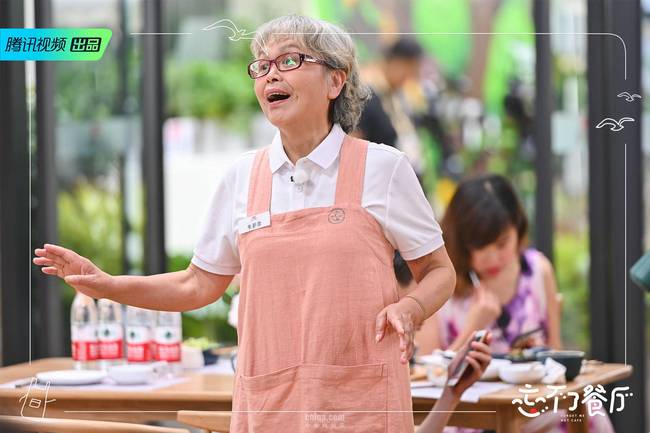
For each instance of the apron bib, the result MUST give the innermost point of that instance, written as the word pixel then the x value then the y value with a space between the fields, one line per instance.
pixel 312 284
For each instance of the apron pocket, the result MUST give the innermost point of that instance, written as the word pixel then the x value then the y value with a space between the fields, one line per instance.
pixel 313 398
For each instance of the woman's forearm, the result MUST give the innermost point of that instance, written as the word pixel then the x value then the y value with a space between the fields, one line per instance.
pixel 439 416
pixel 173 291
pixel 434 289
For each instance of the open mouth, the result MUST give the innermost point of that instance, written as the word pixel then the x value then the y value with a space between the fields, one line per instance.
pixel 277 96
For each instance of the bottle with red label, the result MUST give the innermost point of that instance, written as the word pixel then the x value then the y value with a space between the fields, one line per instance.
pixel 168 336
pixel 83 332
pixel 110 333
pixel 139 334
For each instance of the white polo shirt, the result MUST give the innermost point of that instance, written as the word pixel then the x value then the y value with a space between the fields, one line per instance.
pixel 391 194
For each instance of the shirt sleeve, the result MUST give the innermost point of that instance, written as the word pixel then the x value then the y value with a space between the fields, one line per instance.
pixel 410 223
pixel 216 250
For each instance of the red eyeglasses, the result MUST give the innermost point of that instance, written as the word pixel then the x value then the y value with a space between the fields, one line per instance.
pixel 284 62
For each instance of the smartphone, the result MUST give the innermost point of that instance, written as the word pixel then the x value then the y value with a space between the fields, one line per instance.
pixel 463 364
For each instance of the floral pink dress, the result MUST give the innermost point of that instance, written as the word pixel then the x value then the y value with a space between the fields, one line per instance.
pixel 525 312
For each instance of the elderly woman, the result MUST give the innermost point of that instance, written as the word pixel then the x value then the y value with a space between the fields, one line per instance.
pixel 311 222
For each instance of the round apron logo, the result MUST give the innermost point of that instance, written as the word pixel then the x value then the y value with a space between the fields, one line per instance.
pixel 336 216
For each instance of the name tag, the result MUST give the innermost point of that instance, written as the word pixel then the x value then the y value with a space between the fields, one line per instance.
pixel 255 222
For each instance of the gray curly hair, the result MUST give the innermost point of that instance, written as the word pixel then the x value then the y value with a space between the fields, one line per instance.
pixel 330 43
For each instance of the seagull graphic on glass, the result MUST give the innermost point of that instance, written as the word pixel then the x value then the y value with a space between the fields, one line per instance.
pixel 614 125
pixel 628 97
pixel 237 33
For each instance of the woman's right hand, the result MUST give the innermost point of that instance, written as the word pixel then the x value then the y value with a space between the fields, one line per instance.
pixel 77 271
pixel 485 308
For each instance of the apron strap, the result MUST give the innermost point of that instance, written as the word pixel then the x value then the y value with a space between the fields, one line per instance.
pixel 259 189
pixel 352 169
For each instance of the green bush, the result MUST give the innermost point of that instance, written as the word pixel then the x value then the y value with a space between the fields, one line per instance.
pixel 571 270
pixel 89 224
pixel 213 89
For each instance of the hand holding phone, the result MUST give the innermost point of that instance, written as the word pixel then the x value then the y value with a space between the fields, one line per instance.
pixel 462 366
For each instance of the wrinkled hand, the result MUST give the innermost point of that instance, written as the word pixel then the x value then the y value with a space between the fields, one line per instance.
pixel 478 357
pixel 77 271
pixel 404 317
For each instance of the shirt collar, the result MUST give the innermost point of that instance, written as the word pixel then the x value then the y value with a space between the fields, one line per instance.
pixel 323 155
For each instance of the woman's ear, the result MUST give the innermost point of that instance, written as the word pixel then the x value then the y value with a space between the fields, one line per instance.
pixel 337 79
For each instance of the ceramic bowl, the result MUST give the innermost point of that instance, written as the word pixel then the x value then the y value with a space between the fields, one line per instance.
pixel 131 374
pixel 529 372
pixel 571 359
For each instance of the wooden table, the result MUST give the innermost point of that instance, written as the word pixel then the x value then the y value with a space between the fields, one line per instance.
pixel 199 392
pixel 213 392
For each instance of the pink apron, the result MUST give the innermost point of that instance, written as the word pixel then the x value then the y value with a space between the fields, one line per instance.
pixel 312 284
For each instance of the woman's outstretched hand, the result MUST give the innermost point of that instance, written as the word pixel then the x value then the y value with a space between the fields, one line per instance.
pixel 76 270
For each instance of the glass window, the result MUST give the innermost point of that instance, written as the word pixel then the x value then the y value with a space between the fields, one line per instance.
pixel 98 141
pixel 571 166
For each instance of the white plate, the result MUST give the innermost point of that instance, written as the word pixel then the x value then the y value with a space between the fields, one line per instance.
pixel 437 357
pixel 71 377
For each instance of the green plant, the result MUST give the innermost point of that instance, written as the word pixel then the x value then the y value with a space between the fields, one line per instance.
pixel 213 89
pixel 89 224
pixel 571 270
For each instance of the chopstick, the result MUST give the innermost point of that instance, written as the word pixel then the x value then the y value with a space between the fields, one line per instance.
pixel 525 335
pixel 421 384
pixel 474 279
pixel 25 382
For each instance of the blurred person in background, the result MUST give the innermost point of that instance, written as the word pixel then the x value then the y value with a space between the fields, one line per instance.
pixel 400 103
pixel 514 290
pixel 486 230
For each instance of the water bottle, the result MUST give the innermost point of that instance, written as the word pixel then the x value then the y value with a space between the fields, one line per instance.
pixel 139 338
pixel 110 333
pixel 83 332
pixel 168 336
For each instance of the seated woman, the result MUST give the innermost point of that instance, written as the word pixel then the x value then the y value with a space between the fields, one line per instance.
pixel 502 285
pixel 485 230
